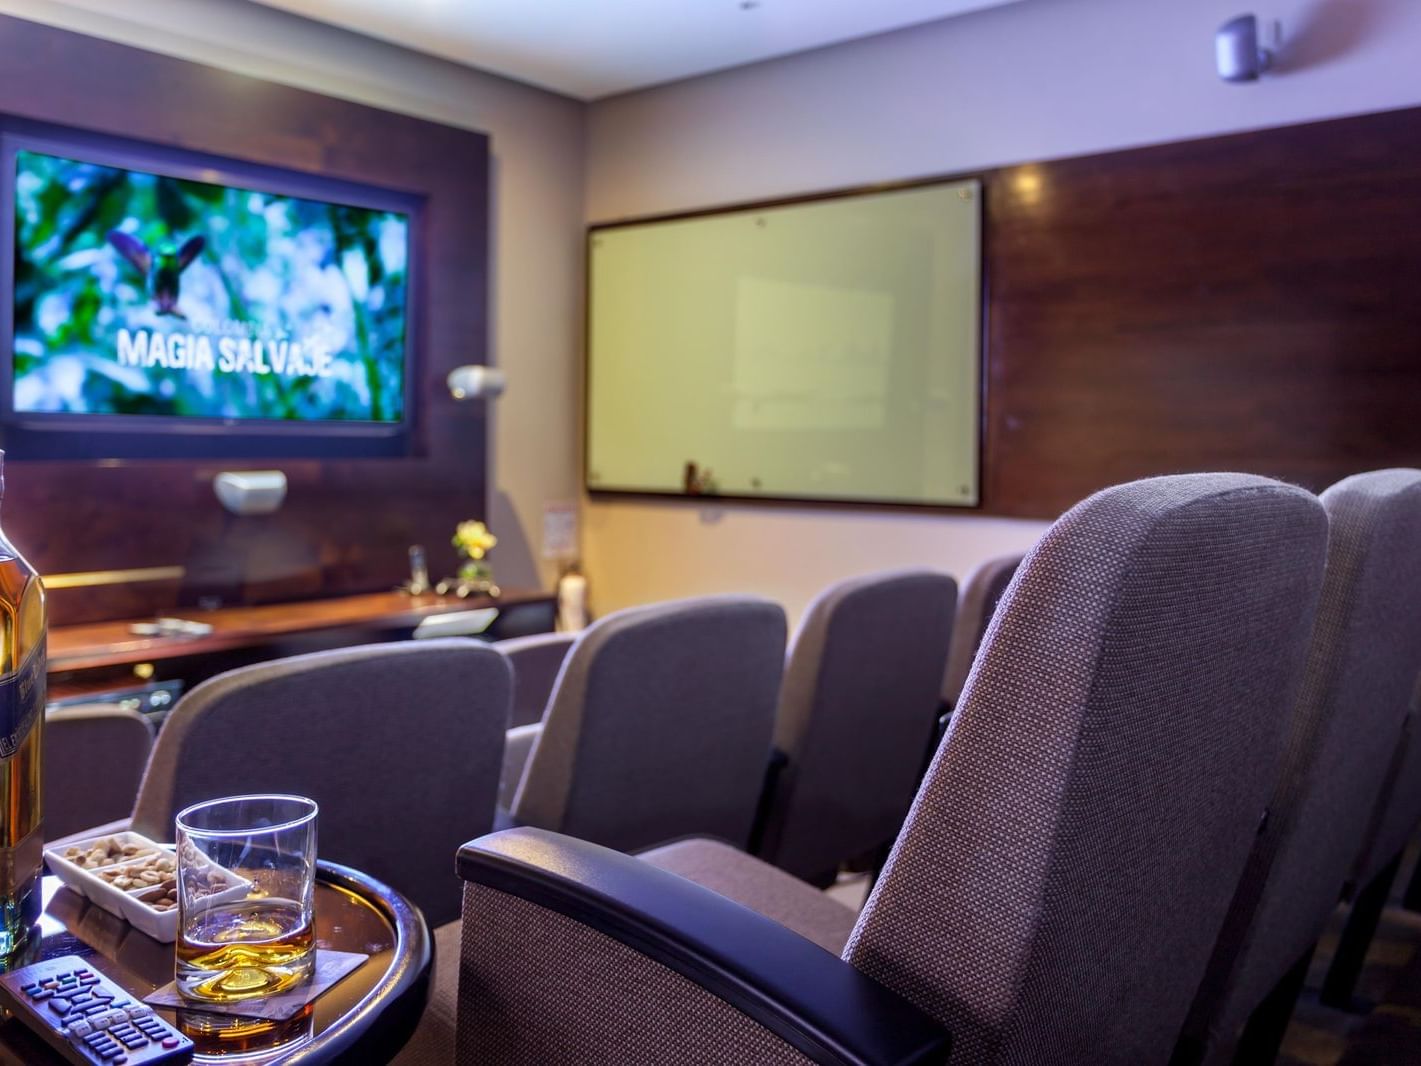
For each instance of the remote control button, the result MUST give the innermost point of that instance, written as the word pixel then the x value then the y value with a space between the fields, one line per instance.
pixel 103 1046
pixel 170 1043
pixel 80 1028
pixel 30 989
pixel 60 1007
pixel 128 1036
pixel 140 1010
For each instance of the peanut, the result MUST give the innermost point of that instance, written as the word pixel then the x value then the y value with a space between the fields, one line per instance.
pixel 148 871
pixel 105 852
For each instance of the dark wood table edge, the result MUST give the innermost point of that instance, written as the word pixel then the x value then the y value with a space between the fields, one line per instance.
pixel 386 1017
pixel 95 645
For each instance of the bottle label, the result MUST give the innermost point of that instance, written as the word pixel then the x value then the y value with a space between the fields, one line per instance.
pixel 21 701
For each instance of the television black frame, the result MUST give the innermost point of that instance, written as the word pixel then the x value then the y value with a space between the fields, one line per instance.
pixel 75 435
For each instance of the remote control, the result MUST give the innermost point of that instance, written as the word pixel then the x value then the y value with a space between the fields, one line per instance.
pixel 87 1018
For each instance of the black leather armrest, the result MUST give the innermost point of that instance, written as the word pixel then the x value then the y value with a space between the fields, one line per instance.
pixel 809 998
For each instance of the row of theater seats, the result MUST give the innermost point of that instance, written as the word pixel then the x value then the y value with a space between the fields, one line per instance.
pixel 1185 738
pixel 1160 778
pixel 658 722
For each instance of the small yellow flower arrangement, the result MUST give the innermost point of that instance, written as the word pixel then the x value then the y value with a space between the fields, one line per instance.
pixel 473 540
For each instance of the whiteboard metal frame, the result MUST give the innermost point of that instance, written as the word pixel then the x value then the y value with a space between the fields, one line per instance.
pixel 984 184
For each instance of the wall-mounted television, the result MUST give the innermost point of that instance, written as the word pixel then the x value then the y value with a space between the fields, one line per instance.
pixel 156 303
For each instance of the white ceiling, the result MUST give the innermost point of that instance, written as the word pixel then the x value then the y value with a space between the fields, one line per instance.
pixel 593 48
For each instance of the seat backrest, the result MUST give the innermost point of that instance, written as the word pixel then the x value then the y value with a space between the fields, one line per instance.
pixel 1072 852
pixel 981 593
pixel 93 759
pixel 660 725
pixel 857 712
pixel 400 744
pixel 1398 812
pixel 1360 674
pixel 536 660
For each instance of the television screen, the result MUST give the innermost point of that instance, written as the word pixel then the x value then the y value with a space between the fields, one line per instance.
pixel 144 294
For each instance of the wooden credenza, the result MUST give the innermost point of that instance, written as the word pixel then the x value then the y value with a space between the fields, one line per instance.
pixel 102 657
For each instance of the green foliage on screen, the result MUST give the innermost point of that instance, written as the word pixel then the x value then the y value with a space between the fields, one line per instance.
pixel 140 294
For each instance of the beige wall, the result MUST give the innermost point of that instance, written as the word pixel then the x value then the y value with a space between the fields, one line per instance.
pixel 1036 80
pixel 538 153
pixel 1040 79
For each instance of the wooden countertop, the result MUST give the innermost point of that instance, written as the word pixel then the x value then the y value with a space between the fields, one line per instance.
pixel 100 644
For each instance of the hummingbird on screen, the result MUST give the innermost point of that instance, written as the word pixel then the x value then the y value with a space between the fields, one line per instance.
pixel 162 271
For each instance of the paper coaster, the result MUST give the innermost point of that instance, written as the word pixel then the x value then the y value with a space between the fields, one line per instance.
pixel 331 966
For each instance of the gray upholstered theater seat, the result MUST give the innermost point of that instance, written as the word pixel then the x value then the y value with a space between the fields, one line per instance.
pixel 536 662
pixel 93 760
pixel 1360 675
pixel 981 593
pixel 857 712
pixel 400 744
pixel 659 726
pixel 1395 817
pixel 1064 871
pixel 765 889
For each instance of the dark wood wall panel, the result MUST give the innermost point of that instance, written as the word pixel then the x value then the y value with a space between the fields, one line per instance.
pixel 346 525
pixel 1249 302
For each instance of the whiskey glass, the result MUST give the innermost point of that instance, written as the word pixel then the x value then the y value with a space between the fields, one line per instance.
pixel 246 885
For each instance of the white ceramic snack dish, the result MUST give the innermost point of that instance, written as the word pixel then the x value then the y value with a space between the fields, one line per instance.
pixel 163 925
pixel 130 904
pixel 81 878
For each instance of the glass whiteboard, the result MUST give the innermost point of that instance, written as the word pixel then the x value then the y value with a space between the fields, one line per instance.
pixel 822 350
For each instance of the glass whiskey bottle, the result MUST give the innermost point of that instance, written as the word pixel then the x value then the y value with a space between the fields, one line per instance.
pixel 22 700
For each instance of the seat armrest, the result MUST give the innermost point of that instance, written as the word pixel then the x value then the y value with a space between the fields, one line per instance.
pixel 814 1001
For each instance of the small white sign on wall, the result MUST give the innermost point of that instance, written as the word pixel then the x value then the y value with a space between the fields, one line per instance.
pixel 559 531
